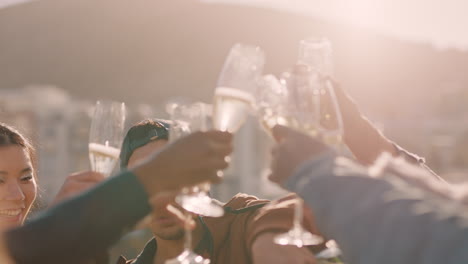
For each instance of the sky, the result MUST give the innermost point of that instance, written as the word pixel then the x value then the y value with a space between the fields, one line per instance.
pixel 442 23
pixel 5 3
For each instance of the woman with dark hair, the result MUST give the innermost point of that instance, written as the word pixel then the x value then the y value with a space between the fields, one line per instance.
pixel 18 186
pixel 78 228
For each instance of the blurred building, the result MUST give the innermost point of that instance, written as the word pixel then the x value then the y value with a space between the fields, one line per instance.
pixel 49 117
pixel 59 128
pixel 436 128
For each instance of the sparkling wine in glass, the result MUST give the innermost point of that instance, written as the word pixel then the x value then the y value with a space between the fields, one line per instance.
pixel 271 105
pixel 234 94
pixel 106 135
pixel 317 53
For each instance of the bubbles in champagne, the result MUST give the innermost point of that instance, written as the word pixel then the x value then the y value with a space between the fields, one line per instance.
pixel 231 107
pixel 103 158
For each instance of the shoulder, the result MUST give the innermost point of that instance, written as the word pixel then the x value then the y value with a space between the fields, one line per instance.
pixel 242 202
pixel 146 255
pixel 123 260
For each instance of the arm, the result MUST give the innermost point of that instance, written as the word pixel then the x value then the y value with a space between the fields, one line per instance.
pixel 82 227
pixel 364 140
pixel 77 183
pixel 375 220
pixel 78 228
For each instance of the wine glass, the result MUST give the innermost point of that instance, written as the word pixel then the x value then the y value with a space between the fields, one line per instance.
pixel 187 118
pixel 317 53
pixel 234 94
pixel 273 109
pixel 298 236
pixel 271 105
pixel 332 251
pixel 106 135
pixel 275 101
pixel 313 109
pixel 188 256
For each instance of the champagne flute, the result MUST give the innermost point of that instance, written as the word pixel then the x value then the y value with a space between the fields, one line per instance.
pixel 234 94
pixel 317 53
pixel 106 135
pixel 332 251
pixel 271 105
pixel 315 111
pixel 186 119
pixel 233 98
pixel 275 100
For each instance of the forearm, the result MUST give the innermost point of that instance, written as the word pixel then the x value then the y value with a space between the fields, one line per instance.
pixel 370 227
pixel 82 227
pixel 365 141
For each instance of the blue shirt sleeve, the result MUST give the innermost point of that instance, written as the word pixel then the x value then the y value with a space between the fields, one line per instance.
pixel 381 220
pixel 79 228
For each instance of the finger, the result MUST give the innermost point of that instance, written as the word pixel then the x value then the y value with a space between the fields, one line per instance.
pixel 217 163
pixel 163 198
pixel 78 187
pixel 275 151
pixel 181 217
pixel 219 136
pixel 273 177
pixel 90 176
pixel 283 133
pixel 210 162
pixel 219 149
pixel 210 175
pixel 280 132
pixel 301 68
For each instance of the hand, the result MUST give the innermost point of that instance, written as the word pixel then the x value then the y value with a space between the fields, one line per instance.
pixel 164 206
pixel 76 184
pixel 349 109
pixel 293 148
pixel 190 160
pixel 364 140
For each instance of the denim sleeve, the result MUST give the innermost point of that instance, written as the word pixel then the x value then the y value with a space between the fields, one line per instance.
pixel 82 227
pixel 384 221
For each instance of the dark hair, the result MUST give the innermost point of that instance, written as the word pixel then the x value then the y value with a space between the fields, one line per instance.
pixel 141 134
pixel 10 136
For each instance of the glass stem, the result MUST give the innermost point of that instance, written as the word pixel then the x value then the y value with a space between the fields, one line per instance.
pixel 188 232
pixel 298 215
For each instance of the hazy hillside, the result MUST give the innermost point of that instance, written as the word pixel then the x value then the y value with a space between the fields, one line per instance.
pixel 150 50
